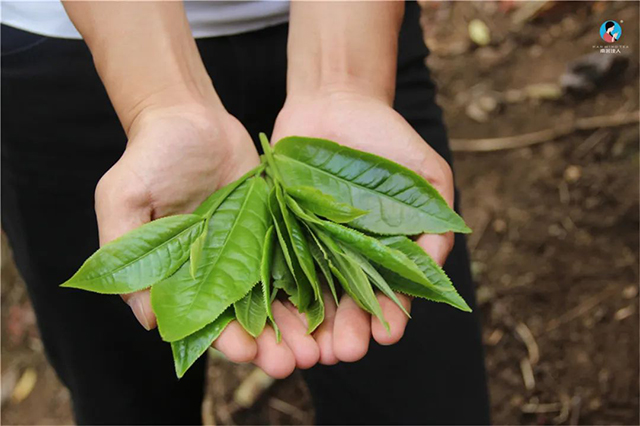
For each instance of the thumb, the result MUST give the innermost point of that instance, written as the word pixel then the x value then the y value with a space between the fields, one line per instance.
pixel 120 208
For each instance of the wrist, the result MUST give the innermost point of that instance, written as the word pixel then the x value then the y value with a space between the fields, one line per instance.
pixel 344 48
pixel 338 90
pixel 183 98
pixel 339 86
pixel 144 53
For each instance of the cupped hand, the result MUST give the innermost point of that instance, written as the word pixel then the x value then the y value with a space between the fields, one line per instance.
pixel 367 124
pixel 176 157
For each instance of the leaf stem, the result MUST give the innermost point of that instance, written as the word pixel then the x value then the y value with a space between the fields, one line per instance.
pixel 268 153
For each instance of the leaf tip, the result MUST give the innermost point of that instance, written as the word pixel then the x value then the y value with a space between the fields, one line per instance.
pixel 180 371
pixel 68 284
pixel 465 230
pixel 463 306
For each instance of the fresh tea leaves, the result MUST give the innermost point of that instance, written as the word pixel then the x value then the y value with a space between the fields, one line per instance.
pixel 186 351
pixel 398 200
pixel 314 218
pixel 441 288
pixel 140 258
pixel 251 311
pixel 229 268
pixel 324 205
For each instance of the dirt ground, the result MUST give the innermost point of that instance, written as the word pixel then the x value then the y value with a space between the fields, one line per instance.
pixel 556 226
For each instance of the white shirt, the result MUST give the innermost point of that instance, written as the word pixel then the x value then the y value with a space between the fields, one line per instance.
pixel 207 18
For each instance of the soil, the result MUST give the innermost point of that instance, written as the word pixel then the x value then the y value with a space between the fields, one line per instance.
pixel 555 243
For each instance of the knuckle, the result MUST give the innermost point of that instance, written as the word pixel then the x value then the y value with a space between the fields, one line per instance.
pixel 112 190
pixel 439 173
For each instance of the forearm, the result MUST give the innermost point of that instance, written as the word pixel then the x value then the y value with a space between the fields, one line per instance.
pixel 144 53
pixel 344 46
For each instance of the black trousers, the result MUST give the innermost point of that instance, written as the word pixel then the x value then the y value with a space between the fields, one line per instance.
pixel 60 134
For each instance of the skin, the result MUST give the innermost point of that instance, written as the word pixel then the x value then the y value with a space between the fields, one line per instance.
pixel 340 86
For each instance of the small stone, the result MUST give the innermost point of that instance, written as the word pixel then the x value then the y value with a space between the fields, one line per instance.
pixel 476 113
pixel 517 400
pixel 623 313
pixel 630 291
pixel 572 173
pixel 535 51
pixel 488 103
pixel 514 96
pixel 556 231
pixel 484 294
pixel 499 226
pixel 591 203
pixel 479 32
pixel 595 404
pixel 544 91
pixel 618 149
pixel 477 269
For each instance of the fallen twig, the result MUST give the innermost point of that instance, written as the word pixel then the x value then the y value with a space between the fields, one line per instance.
pixel 286 408
pixel 566 409
pixel 576 404
pixel 527 374
pixel 580 310
pixel 530 342
pixel 532 408
pixel 528 139
pixel 252 387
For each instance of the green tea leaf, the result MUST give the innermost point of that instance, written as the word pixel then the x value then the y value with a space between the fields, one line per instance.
pixel 314 314
pixel 323 204
pixel 299 244
pixel 186 351
pixel 272 170
pixel 251 311
pixel 229 269
pixel 374 276
pixel 211 204
pixel 265 277
pixel 140 258
pixel 207 208
pixel 368 246
pixel 441 288
pixel 282 276
pixel 196 250
pixel 352 277
pixel 322 260
pixel 398 201
pixel 304 292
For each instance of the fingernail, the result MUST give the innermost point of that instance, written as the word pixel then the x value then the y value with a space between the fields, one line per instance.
pixel 137 307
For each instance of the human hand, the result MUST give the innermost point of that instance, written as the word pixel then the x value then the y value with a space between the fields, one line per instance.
pixel 370 124
pixel 175 158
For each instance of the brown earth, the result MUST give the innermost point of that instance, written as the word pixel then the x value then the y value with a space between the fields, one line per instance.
pixel 555 242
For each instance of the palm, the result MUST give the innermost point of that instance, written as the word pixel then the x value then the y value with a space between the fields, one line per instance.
pixel 367 125
pixel 171 164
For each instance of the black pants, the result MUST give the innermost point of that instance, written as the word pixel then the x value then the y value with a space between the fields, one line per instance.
pixel 60 134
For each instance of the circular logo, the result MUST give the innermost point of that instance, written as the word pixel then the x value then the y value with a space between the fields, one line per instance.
pixel 610 31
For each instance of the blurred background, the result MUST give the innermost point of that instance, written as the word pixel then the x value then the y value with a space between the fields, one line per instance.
pixel 544 124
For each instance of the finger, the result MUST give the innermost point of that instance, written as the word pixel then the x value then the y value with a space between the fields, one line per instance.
pixel 140 304
pixel 236 344
pixel 301 316
pixel 275 359
pixel 437 246
pixel 395 317
pixel 119 209
pixel 351 331
pixel 294 333
pixel 324 333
